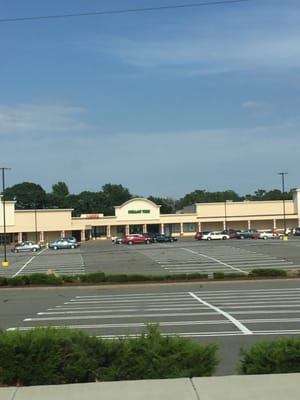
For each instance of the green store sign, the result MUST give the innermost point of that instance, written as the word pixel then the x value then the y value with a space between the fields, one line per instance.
pixel 138 211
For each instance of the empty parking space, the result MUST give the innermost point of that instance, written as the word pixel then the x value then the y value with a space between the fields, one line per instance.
pixel 195 313
pixel 61 262
pixel 209 258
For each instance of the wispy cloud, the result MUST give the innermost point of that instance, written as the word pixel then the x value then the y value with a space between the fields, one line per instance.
pixel 38 118
pixel 264 37
pixel 211 54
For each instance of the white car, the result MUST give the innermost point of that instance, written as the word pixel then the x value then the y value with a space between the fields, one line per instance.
pixel 215 236
pixel 269 235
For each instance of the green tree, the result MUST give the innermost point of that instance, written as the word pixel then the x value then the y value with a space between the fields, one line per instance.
pixel 60 189
pixel 27 195
pixel 201 196
pixel 113 195
pixel 88 203
pixel 274 194
pixel 167 204
pixel 59 198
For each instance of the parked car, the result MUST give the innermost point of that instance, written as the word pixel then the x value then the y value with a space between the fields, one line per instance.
pixel 117 239
pixel 198 235
pixel 296 231
pixel 63 244
pixel 248 234
pixel 268 235
pixel 231 232
pixel 26 246
pixel 159 237
pixel 135 239
pixel 215 236
pixel 150 236
pixel 70 239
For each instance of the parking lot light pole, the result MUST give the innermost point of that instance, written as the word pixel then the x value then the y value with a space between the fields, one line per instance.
pixel 4 262
pixel 283 199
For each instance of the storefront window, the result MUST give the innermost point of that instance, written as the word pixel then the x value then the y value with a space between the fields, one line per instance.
pixel 174 228
pixel 189 227
pixel 136 229
pixel 99 231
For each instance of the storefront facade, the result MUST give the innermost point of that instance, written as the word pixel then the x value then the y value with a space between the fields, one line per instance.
pixel 140 215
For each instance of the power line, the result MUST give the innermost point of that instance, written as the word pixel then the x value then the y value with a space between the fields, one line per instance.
pixel 121 11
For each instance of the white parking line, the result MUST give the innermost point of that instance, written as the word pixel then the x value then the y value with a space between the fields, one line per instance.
pixel 237 323
pixel 27 263
pixel 53 318
pixel 215 259
pixel 24 266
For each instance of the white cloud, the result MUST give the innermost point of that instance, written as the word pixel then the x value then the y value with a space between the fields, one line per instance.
pixel 164 163
pixel 39 118
pixel 260 36
pixel 212 54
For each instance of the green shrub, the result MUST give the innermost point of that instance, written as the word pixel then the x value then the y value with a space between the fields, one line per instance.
pixel 137 278
pixel 194 275
pixel 158 278
pixel 48 356
pixel 3 281
pixel 153 356
pixel 230 275
pixel 236 275
pixel 116 278
pixel 219 275
pixel 71 278
pixel 19 280
pixel 271 357
pixel 93 277
pixel 268 272
pixel 44 279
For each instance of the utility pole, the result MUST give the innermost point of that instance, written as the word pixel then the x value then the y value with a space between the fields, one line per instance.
pixel 4 262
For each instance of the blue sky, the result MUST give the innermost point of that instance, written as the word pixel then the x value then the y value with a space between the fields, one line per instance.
pixel 162 102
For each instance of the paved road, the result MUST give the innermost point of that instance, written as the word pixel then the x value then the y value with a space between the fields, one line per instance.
pixel 233 315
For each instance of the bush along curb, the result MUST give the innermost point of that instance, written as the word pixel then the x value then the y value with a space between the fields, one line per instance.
pixel 278 356
pixel 52 356
pixel 52 279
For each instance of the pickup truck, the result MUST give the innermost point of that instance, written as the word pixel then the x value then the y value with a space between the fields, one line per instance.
pixel 249 234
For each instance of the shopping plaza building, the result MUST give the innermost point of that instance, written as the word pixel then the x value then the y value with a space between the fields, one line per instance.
pixel 140 215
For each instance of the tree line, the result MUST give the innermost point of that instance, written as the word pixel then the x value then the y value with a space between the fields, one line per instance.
pixel 28 195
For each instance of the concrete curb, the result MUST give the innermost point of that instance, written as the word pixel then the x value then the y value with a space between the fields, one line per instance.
pixel 258 387
pixel 168 389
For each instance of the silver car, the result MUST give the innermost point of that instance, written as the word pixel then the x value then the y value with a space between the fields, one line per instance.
pixel 63 244
pixel 26 246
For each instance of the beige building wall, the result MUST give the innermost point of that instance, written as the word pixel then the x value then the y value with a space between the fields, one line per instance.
pixel 245 209
pixel 143 214
pixel 9 213
pixel 137 209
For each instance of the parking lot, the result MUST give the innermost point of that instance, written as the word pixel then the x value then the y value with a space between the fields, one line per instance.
pixel 232 314
pixel 184 256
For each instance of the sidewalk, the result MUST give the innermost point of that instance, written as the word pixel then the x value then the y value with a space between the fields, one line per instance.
pixel 258 387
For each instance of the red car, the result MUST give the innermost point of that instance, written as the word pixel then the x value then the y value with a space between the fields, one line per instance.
pixel 135 238
pixel 198 235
